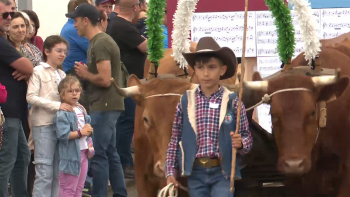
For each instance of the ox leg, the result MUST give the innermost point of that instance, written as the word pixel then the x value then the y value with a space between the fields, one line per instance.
pixel 344 190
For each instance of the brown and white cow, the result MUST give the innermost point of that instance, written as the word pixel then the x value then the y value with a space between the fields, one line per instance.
pixel 295 126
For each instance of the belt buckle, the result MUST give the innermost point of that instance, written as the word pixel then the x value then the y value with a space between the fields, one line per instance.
pixel 205 162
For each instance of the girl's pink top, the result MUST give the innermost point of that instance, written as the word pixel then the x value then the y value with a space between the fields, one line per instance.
pixel 3 94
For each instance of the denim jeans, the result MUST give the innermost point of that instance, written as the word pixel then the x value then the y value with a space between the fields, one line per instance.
pixel 208 182
pixel 14 159
pixel 46 160
pixel 106 162
pixel 125 132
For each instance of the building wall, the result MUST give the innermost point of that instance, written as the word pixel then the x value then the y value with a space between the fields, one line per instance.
pixel 51 14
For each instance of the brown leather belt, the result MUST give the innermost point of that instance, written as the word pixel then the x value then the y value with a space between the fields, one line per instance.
pixel 207 162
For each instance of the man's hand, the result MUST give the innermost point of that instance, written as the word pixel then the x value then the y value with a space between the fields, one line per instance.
pixel 19 76
pixel 81 70
pixel 171 179
pixel 236 140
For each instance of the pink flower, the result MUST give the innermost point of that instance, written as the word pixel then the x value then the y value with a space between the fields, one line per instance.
pixel 3 94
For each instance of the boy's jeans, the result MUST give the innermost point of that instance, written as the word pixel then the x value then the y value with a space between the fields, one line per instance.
pixel 46 160
pixel 14 159
pixel 208 182
pixel 106 162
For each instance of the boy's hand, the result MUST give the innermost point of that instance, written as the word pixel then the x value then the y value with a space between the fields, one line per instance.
pixel 236 140
pixel 171 179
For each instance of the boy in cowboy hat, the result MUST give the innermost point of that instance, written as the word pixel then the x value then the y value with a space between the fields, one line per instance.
pixel 204 125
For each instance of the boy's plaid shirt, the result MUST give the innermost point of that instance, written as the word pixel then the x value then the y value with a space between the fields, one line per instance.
pixel 207 120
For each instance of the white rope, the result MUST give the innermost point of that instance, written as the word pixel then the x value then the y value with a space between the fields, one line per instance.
pixel 169 189
pixel 266 98
pixel 168 94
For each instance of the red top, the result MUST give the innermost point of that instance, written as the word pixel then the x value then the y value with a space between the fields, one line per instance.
pixel 3 94
pixel 38 42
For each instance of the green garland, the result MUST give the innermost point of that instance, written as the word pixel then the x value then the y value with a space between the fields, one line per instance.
pixel 154 21
pixel 285 29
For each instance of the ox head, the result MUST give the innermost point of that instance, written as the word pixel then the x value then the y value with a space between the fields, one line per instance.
pixel 158 114
pixel 293 113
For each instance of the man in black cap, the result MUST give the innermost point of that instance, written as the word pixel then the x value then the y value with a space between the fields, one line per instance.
pixel 105 104
pixel 105 5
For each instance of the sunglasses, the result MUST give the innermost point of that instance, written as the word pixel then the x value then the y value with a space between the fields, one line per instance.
pixel 5 15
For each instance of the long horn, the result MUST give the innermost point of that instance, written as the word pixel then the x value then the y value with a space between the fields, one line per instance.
pixel 256 85
pixel 127 92
pixel 326 80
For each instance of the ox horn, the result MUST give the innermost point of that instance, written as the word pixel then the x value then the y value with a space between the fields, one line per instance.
pixel 257 85
pixel 127 92
pixel 326 80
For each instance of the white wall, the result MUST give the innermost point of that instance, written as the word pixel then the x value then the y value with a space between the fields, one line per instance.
pixel 51 14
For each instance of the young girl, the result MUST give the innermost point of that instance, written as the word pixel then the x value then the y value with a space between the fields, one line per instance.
pixel 43 96
pixel 72 129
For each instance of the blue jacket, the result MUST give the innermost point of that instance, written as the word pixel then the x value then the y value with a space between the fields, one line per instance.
pixel 78 46
pixel 69 150
pixel 188 143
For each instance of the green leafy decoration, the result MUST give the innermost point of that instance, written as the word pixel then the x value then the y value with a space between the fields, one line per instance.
pixel 154 22
pixel 285 29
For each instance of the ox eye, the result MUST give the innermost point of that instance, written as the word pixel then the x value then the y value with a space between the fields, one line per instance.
pixel 313 113
pixel 145 119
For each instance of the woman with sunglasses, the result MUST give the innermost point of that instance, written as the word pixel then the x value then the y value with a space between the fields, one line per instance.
pixel 44 98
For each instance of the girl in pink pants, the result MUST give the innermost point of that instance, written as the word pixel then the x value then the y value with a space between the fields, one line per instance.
pixel 72 129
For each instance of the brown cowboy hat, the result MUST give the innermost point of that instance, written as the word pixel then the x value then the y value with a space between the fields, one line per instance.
pixel 207 45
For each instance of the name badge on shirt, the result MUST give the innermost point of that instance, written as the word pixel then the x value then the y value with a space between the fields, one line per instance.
pixel 214 105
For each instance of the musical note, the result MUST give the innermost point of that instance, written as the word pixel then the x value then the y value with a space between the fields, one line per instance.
pixel 265 23
pixel 228 39
pixel 336 25
pixel 264 15
pixel 231 16
pixel 221 29
pixel 330 35
pixel 267 51
pixel 268 61
pixel 267 33
pixel 335 12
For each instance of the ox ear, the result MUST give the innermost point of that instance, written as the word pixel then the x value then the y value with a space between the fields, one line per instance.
pixel 135 81
pixel 194 78
pixel 333 91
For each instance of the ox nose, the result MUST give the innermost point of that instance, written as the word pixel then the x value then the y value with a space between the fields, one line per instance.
pixel 159 169
pixel 296 165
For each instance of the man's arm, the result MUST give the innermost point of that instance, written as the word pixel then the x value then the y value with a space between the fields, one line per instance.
pixel 103 76
pixel 9 55
pixel 247 139
pixel 23 65
pixel 143 47
pixel 173 147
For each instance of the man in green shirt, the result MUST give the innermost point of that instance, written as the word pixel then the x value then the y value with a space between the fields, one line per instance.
pixel 106 105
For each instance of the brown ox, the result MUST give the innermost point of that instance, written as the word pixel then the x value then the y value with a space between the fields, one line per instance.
pixel 295 126
pixel 153 123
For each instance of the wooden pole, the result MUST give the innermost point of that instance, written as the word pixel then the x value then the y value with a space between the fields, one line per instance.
pixel 234 151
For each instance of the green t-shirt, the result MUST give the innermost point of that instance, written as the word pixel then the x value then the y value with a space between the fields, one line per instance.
pixel 103 47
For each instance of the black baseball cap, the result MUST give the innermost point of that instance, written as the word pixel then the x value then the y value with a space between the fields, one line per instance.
pixel 97 2
pixel 85 10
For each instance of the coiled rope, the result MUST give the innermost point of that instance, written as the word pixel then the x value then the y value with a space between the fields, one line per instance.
pixel 169 190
